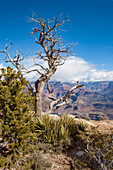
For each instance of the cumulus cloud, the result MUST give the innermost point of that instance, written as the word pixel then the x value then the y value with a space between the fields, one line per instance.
pixel 74 69
pixel 29 64
pixel 77 69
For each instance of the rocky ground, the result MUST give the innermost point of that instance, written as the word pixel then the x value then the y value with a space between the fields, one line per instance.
pixel 55 158
pixel 64 160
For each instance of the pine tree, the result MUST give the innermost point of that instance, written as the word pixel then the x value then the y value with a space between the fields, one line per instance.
pixel 17 124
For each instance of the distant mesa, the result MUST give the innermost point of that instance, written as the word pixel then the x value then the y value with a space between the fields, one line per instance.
pixel 75 108
pixel 73 98
pixel 93 100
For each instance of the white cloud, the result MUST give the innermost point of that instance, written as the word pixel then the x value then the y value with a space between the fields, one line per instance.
pixel 29 65
pixel 77 69
pixel 1 66
pixel 74 69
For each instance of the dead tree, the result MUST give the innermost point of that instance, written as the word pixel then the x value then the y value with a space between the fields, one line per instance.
pixel 52 51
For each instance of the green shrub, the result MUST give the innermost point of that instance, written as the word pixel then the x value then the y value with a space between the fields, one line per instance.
pixel 17 125
pixel 99 149
pixel 61 130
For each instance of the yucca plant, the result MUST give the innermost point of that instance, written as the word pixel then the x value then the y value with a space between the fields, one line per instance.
pixel 82 126
pixel 61 130
pixel 47 129
pixel 70 124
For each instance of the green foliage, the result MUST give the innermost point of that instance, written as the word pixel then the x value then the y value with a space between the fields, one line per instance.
pixel 99 149
pixel 17 124
pixel 80 164
pixel 82 126
pixel 58 130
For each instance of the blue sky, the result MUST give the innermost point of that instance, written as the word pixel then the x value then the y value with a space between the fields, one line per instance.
pixel 91 26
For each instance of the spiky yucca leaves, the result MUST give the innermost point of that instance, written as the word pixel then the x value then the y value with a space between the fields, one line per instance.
pixel 82 126
pixel 17 124
pixel 47 129
pixel 59 130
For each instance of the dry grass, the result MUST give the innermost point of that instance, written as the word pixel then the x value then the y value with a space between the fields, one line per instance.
pixel 104 126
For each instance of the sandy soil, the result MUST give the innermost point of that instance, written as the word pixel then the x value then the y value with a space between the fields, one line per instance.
pixel 104 126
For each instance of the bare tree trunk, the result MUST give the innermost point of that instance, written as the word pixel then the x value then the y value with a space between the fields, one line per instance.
pixel 38 98
pixel 38 104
